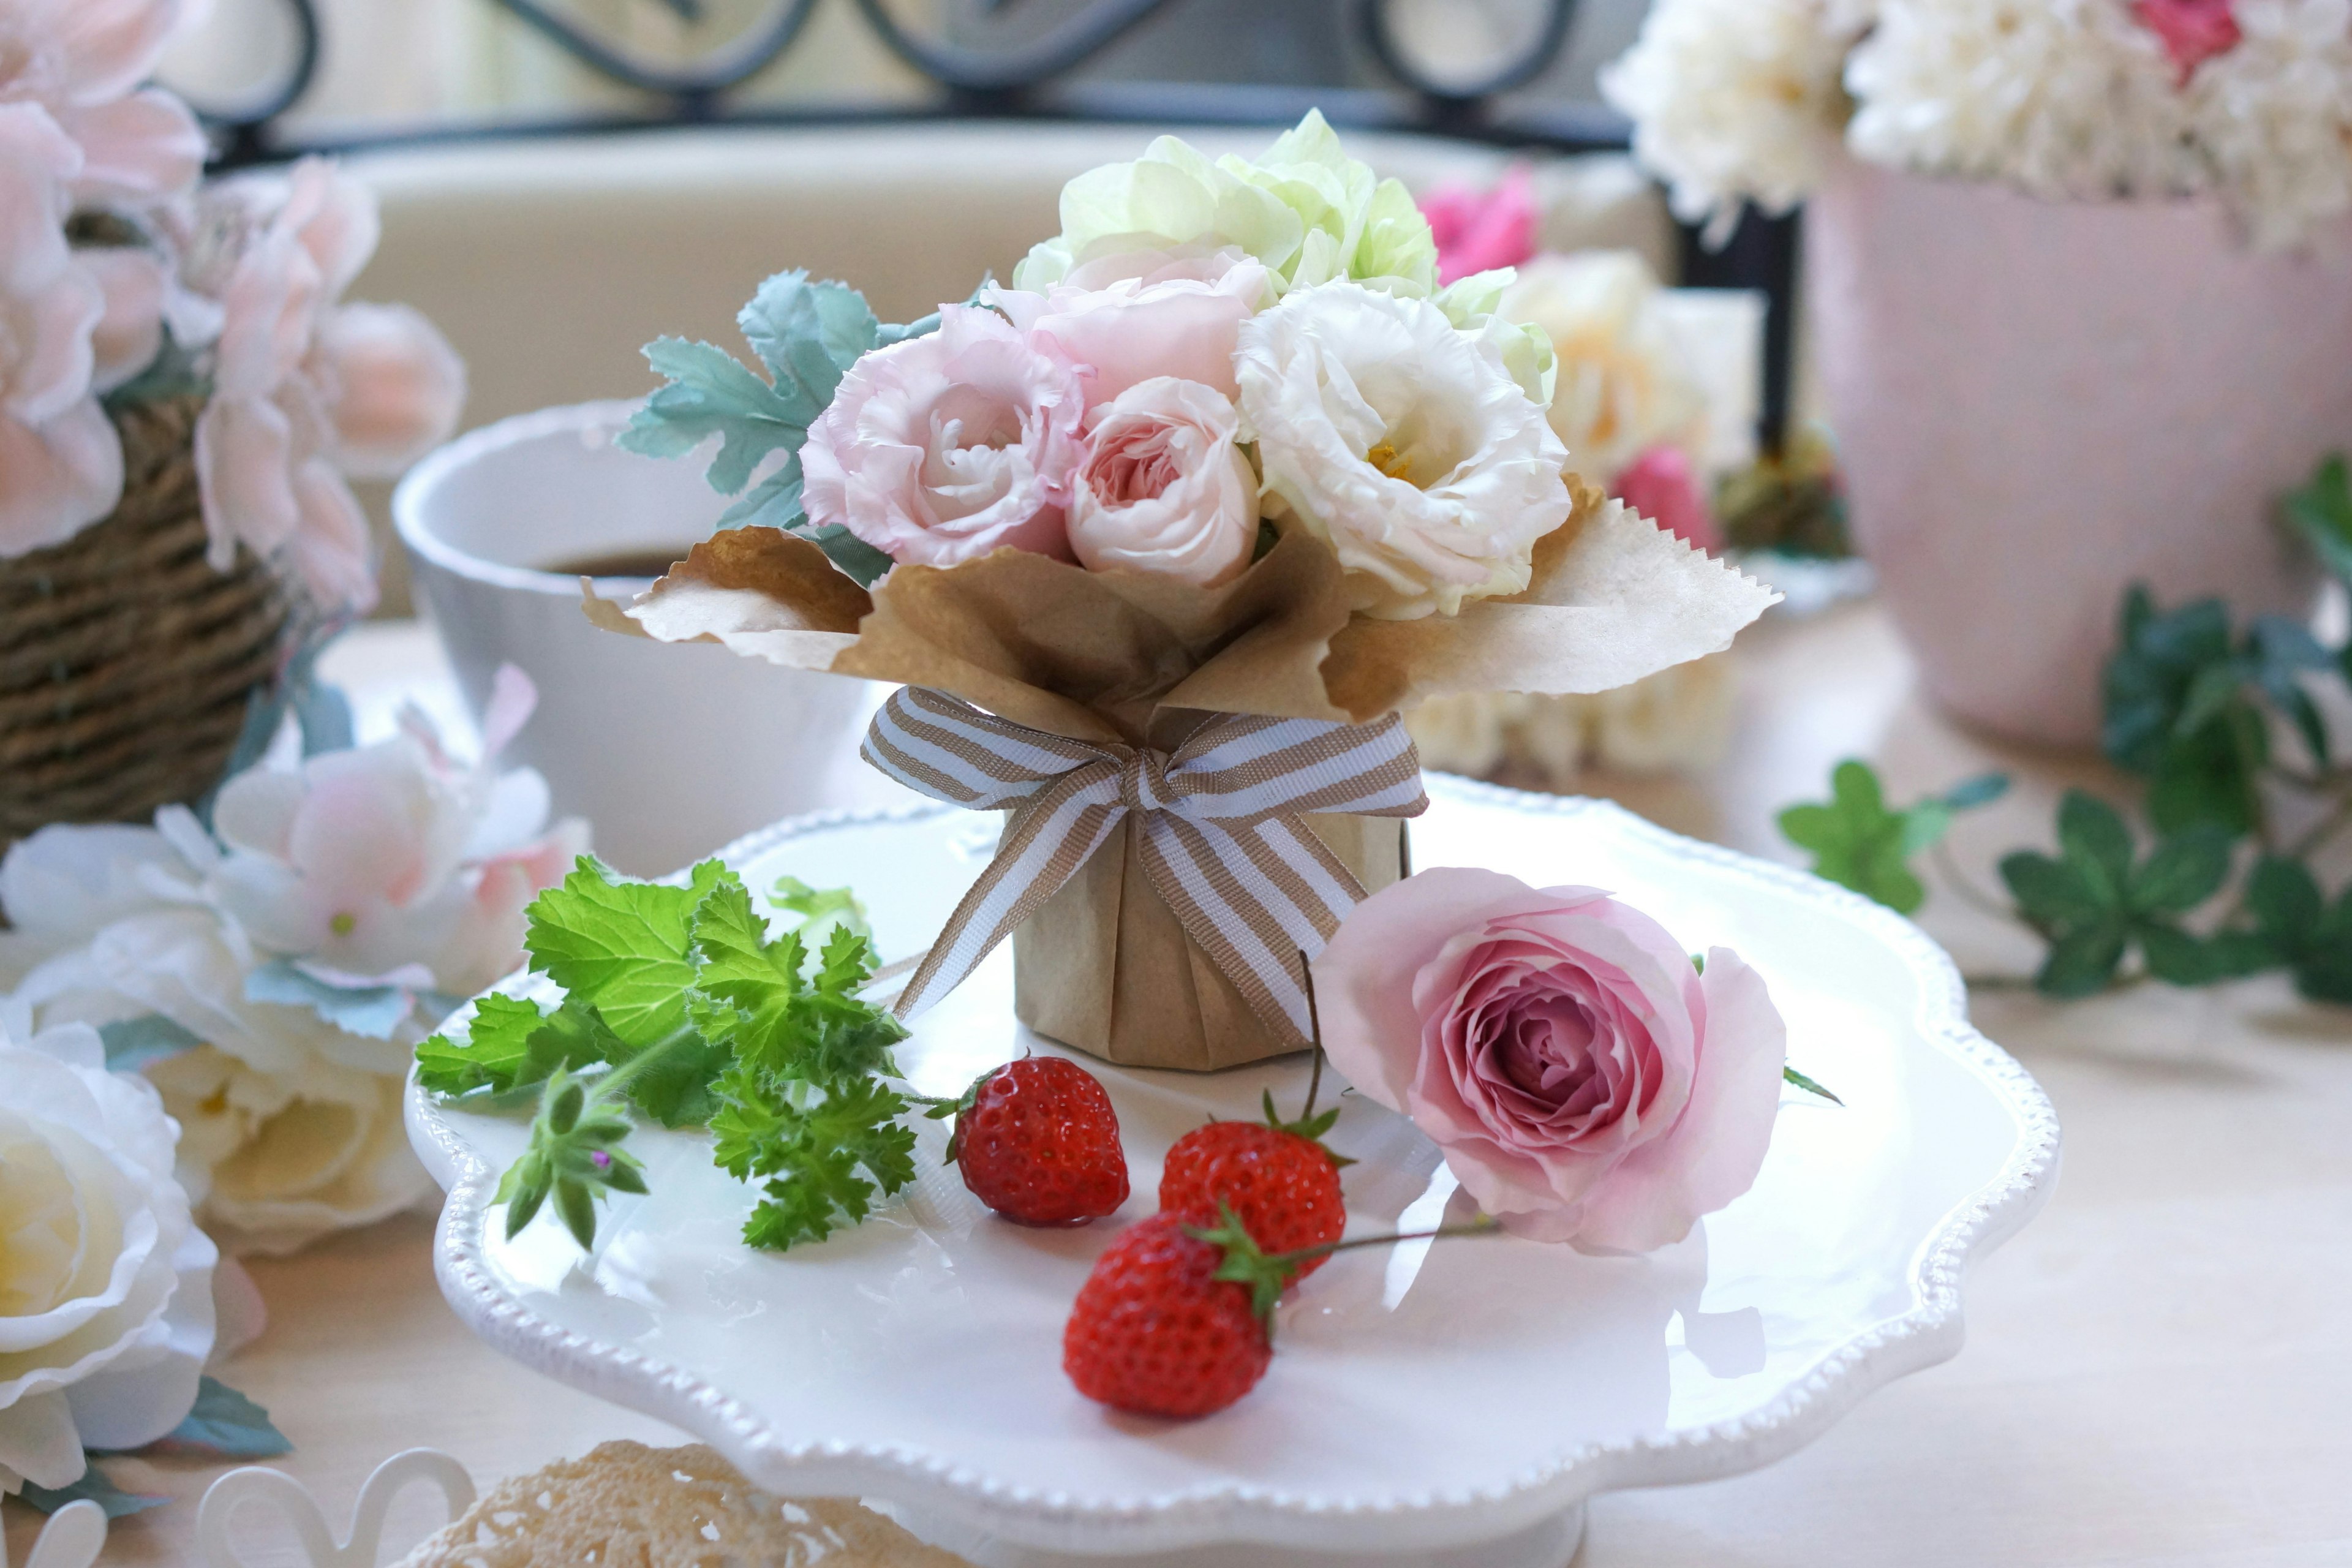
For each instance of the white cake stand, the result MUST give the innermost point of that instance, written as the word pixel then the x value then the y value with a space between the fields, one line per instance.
pixel 1453 1404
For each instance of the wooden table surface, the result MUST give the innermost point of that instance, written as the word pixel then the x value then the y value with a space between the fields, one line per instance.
pixel 2159 1369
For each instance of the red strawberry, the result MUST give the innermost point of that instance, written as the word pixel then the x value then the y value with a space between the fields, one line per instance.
pixel 1155 1331
pixel 1282 1185
pixel 1038 1143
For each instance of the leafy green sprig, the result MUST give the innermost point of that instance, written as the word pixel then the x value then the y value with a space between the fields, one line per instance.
pixel 680 1007
pixel 2227 728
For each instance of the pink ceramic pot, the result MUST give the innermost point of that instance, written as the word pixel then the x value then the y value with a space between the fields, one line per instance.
pixel 2039 404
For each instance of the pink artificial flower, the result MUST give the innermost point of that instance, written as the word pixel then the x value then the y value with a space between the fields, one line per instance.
pixel 944 448
pixel 1477 231
pixel 81 62
pixel 307 390
pixel 1148 314
pixel 1585 1083
pixel 2193 31
pixel 1662 486
pixel 128 335
pixel 60 459
pixel 1162 487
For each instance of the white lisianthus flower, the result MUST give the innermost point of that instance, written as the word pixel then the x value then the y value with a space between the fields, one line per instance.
pixel 1734 98
pixel 1625 382
pixel 106 1285
pixel 1403 441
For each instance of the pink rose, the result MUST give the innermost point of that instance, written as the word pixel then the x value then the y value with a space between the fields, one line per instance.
pixel 81 62
pixel 1585 1082
pixel 1162 487
pixel 1144 315
pixel 946 446
pixel 60 460
pixel 2193 31
pixel 1661 485
pixel 1478 231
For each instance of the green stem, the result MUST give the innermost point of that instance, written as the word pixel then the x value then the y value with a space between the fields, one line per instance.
pixel 1314 1027
pixel 610 1084
pixel 1482 1225
pixel 1966 887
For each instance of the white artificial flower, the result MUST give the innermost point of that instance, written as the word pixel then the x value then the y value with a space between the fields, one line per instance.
pixel 2065 98
pixel 1403 441
pixel 1734 99
pixel 291 958
pixel 1624 381
pixel 1468 732
pixel 106 1285
pixel 2275 115
pixel 1676 722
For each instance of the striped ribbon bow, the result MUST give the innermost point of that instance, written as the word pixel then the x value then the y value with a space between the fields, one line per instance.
pixel 1221 835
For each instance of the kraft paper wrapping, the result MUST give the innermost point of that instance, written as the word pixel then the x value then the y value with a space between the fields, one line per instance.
pixel 1137 659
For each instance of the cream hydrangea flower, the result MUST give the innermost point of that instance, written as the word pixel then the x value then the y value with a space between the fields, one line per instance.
pixel 106 1285
pixel 1734 98
pixel 2275 116
pixel 1404 442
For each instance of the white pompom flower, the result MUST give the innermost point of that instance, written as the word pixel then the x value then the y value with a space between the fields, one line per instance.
pixel 1403 441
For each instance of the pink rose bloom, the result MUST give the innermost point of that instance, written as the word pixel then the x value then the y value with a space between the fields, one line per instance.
pixel 60 460
pixel 1662 486
pixel 1162 487
pixel 1126 319
pixel 2193 31
pixel 306 390
pixel 946 446
pixel 1584 1082
pixel 1477 231
pixel 81 62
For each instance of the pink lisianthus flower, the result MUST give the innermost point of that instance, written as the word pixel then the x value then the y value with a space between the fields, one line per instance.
pixel 944 448
pixel 306 390
pixel 1585 1083
pixel 81 63
pixel 1132 318
pixel 1478 231
pixel 60 459
pixel 1662 485
pixel 2193 31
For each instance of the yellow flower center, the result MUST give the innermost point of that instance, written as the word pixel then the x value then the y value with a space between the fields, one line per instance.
pixel 344 923
pixel 1390 462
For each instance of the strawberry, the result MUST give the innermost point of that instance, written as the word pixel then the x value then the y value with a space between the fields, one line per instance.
pixel 1038 1143
pixel 1282 1184
pixel 1157 1331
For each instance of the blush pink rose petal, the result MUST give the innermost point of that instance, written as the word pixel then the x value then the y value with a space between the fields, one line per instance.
pixel 1163 488
pixel 1584 1083
pixel 1171 316
pixel 946 446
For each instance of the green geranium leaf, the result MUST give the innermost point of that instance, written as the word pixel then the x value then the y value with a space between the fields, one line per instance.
pixel 93 1487
pixel 2050 894
pixel 2096 902
pixel 1855 840
pixel 2182 872
pixel 2083 962
pixel 622 946
pixel 2320 513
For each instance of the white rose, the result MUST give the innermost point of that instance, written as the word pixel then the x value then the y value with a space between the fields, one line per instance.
pixel 279 1159
pixel 1162 487
pixel 1404 442
pixel 1625 382
pixel 106 1291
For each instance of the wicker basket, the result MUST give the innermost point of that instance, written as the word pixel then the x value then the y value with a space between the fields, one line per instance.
pixel 127 662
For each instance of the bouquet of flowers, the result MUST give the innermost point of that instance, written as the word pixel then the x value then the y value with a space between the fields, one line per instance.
pixel 184 395
pixel 1163 538
pixel 2082 100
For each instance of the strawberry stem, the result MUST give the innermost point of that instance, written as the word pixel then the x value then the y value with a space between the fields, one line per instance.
pixel 1268 1274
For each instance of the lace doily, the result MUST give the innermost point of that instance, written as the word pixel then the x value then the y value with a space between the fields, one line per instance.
pixel 628 1506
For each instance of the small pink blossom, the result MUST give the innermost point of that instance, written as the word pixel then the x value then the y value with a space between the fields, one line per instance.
pixel 81 62
pixel 307 390
pixel 944 448
pixel 60 459
pixel 2193 31
pixel 1140 316
pixel 1162 487
pixel 1583 1081
pixel 1478 231
pixel 1662 485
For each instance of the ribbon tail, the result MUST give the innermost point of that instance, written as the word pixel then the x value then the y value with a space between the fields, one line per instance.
pixel 1252 896
pixel 1051 834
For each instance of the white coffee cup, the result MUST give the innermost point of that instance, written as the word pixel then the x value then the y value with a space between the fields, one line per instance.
pixel 669 750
